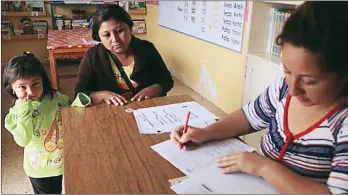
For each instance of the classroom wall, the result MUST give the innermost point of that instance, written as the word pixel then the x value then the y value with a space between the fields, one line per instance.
pixel 10 48
pixel 214 72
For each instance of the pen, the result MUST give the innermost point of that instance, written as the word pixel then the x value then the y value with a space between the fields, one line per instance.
pixel 186 122
pixel 186 126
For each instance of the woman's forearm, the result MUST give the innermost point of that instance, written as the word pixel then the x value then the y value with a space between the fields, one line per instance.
pixel 232 125
pixel 286 181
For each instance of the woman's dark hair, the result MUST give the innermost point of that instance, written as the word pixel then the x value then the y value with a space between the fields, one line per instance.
pixel 108 12
pixel 320 28
pixel 22 66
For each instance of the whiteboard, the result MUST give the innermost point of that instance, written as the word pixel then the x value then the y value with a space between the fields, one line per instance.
pixel 218 22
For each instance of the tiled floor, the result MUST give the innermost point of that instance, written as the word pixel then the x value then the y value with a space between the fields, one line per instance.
pixel 14 180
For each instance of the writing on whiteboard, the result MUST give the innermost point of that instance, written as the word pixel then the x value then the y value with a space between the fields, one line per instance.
pixel 218 22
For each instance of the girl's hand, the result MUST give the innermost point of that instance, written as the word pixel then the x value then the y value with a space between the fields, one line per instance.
pixel 21 100
pixel 251 163
pixel 192 136
pixel 147 93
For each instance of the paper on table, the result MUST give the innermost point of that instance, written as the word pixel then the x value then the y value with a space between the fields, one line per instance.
pixel 212 181
pixel 177 180
pixel 201 157
pixel 161 119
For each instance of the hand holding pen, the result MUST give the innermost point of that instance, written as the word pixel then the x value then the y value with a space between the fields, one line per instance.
pixel 185 127
pixel 184 135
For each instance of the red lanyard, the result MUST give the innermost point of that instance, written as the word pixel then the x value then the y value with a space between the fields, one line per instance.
pixel 289 137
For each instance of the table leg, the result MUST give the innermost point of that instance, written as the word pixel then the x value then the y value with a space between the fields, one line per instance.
pixel 53 69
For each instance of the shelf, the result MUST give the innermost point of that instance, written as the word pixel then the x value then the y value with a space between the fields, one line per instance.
pixel 135 12
pixel 267 57
pixel 74 4
pixel 138 12
pixel 21 14
pixel 21 37
pixel 260 23
pixel 286 2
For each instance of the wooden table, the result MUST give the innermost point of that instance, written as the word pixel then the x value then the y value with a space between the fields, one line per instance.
pixel 105 153
pixel 66 44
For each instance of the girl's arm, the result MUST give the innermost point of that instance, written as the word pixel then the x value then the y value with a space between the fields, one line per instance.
pixel 63 99
pixel 81 100
pixel 19 122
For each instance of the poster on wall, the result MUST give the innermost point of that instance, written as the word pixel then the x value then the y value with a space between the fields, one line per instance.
pixel 218 22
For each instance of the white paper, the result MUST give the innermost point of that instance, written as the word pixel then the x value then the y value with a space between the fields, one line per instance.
pixel 212 181
pixel 202 156
pixel 161 119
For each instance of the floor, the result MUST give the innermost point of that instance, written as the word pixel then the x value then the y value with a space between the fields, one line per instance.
pixel 14 180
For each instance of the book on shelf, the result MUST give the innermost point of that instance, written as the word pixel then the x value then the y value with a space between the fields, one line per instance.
pixel 278 18
pixel 77 2
pixel 139 26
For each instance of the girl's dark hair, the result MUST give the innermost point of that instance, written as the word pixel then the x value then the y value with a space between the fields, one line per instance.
pixel 108 12
pixel 23 66
pixel 320 27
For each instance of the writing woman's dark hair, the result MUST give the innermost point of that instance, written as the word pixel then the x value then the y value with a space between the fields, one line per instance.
pixel 23 66
pixel 108 12
pixel 321 28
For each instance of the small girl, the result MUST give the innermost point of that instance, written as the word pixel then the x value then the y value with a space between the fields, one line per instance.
pixel 35 121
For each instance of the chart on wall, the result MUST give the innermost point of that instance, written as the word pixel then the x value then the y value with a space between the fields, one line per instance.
pixel 218 22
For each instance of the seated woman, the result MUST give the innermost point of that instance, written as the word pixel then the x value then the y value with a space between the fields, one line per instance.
pixel 122 67
pixel 305 145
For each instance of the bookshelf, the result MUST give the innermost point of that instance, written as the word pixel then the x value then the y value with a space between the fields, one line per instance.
pixel 23 14
pixel 286 2
pixel 15 18
pixel 14 45
pixel 90 7
pixel 260 24
pixel 20 37
pixel 137 12
pixel 261 67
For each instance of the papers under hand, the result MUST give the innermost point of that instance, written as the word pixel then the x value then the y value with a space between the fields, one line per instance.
pixel 212 181
pixel 161 119
pixel 203 156
pixel 177 180
pixel 204 177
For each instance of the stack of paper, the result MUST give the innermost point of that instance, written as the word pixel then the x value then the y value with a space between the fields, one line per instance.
pixel 163 119
pixel 200 165
pixel 199 158
pixel 212 181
